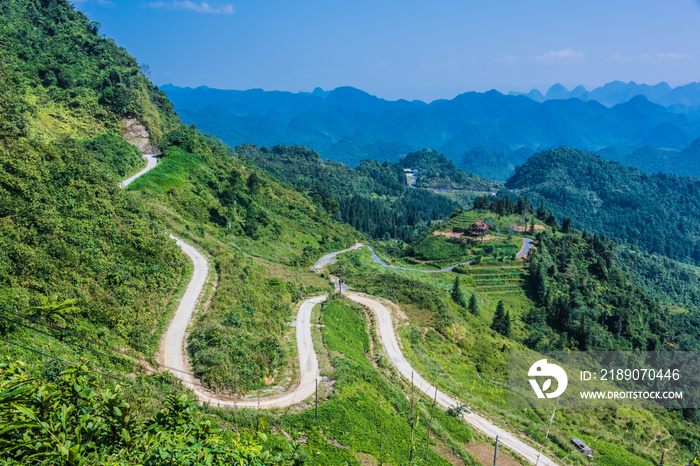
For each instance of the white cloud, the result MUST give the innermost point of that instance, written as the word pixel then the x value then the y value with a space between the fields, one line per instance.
pixel 560 56
pixel 663 56
pixel 618 57
pixel 199 7
pixel 105 3
pixel 648 57
pixel 506 59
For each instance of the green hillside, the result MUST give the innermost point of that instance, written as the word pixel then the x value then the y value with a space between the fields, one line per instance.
pixel 655 212
pixel 88 275
pixel 568 295
pixel 89 279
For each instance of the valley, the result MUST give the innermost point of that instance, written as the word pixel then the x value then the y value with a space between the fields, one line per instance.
pixel 169 297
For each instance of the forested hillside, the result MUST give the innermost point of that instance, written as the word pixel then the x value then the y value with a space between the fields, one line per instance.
pixel 88 275
pixel 655 212
pixel 68 234
pixel 373 197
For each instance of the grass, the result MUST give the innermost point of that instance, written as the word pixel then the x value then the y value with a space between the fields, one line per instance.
pixel 470 360
pixel 362 397
pixel 172 172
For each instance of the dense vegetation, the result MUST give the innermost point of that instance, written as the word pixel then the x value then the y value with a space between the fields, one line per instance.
pixel 657 213
pixel 70 79
pixel 66 416
pixel 373 197
pixel 436 171
pixel 66 231
pixel 669 281
pixel 87 269
pixel 585 302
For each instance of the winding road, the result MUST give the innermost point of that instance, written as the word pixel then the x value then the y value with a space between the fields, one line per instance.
pixel 151 160
pixel 173 349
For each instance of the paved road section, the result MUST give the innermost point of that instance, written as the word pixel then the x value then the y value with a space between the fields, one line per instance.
pixel 172 347
pixel 387 335
pixel 151 161
pixel 175 359
pixel 330 258
pixel 527 245
pixel 174 353
pixel 377 260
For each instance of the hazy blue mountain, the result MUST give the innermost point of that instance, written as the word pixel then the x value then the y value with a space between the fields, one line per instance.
pixel 479 132
pixel 681 99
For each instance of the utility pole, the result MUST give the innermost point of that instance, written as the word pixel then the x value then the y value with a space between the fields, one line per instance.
pixel 381 444
pixel 340 281
pixel 411 396
pixel 413 428
pixel 495 452
pixel 316 400
pixel 547 434
pixel 430 425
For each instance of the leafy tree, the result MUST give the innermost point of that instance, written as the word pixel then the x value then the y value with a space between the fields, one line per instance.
pixel 69 417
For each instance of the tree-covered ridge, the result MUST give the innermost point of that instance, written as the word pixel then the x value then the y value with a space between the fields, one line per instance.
pixel 435 170
pixel 68 233
pixel 655 212
pixel 585 302
pixel 373 197
pixel 69 78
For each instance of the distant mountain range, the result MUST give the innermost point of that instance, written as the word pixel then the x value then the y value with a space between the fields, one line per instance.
pixel 488 134
pixel 682 99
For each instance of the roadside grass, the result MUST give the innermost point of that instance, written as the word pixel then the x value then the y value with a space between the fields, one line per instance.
pixel 361 398
pixel 469 360
pixel 171 172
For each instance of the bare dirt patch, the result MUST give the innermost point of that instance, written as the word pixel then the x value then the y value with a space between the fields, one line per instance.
pixel 483 453
pixel 526 228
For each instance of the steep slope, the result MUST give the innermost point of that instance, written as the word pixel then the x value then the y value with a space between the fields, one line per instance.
pixel 655 212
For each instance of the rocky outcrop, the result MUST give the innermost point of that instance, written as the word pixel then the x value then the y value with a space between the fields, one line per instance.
pixel 135 133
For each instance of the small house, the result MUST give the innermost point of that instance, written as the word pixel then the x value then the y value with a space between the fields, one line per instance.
pixel 478 228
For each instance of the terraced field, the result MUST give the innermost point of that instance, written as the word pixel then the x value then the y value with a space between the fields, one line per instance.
pixel 495 279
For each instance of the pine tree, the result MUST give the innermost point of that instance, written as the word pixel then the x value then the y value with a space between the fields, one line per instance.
pixel 473 306
pixel 566 226
pixel 507 326
pixel 501 320
pixel 457 293
pixel 541 212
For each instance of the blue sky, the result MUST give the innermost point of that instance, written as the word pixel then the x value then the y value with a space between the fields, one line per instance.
pixel 406 49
